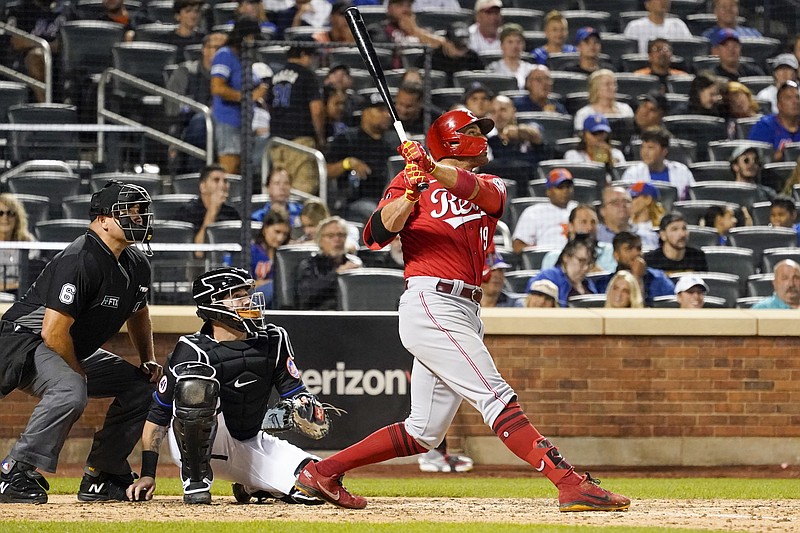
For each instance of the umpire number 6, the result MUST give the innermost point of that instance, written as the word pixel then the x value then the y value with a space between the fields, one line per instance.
pixel 67 294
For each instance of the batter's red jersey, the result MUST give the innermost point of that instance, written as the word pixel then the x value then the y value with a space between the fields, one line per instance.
pixel 445 236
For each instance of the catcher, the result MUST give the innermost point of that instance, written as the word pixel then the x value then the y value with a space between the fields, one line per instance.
pixel 215 392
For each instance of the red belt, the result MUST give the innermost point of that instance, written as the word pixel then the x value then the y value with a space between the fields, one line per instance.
pixel 446 287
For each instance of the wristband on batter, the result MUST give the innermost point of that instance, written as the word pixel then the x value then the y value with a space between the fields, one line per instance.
pixel 465 184
pixel 149 463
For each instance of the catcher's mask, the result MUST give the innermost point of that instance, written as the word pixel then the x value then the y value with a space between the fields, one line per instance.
pixel 129 205
pixel 226 295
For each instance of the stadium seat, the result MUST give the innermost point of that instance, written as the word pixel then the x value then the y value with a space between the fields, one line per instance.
pixel 352 57
pixel 447 97
pixel 151 182
pixel 585 170
pixel 274 56
pixel 370 289
pixel 228 231
pixel 438 79
pixel 529 19
pixel 189 183
pixel 534 39
pixel 565 83
pixel 700 236
pixel 720 284
pixel 27 145
pixel 748 301
pixel 502 235
pixel 731 260
pixel 684 8
pixel 706 171
pixel 494 82
pixel 586 191
pixel 556 126
pixel 50 185
pixel 166 206
pixel 700 129
pixel 760 49
pixel 160 11
pixel 94 9
pixel 587 300
pixel 76 206
pixel 670 302
pixel 756 83
pixel 634 61
pixel 579 18
pixel 760 238
pixel 287 259
pixel 743 194
pixel 676 103
pixel 681 150
pixel 532 257
pixel 222 12
pixel 760 213
pixel 171 266
pixel 773 256
pixel 156 32
pixel 722 150
pixel 616 45
pixel 775 174
pixel 11 93
pixel 760 285
pixel 680 83
pixel 636 84
pixel 36 207
pixel 61 230
pixel 515 208
pixel 143 60
pixel 791 151
pixel 744 125
pixel 518 279
pixel 694 210
pixel 689 48
pixel 442 19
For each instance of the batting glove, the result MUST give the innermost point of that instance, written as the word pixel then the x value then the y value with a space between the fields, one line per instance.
pixel 415 180
pixel 413 152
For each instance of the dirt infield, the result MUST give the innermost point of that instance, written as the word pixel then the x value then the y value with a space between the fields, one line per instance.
pixel 738 515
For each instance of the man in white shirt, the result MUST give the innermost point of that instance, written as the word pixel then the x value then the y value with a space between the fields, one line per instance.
pixel 546 224
pixel 784 68
pixel 484 35
pixel 656 24
pixel 656 167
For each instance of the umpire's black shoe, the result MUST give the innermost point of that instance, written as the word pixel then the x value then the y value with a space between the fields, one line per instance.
pixel 22 484
pixel 99 486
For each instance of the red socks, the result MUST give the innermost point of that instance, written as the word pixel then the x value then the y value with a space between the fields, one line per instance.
pixel 386 443
pixel 519 436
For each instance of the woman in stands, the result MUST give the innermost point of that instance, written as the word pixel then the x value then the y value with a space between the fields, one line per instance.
pixel 602 99
pixel 575 262
pixel 13 227
pixel 739 103
pixel 624 292
pixel 646 212
pixel 704 95
pixel 274 233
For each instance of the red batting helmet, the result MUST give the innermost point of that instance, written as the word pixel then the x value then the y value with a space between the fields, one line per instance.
pixel 444 140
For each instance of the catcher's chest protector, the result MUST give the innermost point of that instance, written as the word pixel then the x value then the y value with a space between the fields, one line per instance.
pixel 245 372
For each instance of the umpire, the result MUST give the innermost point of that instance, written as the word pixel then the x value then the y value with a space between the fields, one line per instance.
pixel 50 348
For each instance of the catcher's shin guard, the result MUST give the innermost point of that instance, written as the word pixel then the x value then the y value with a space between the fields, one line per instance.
pixel 195 424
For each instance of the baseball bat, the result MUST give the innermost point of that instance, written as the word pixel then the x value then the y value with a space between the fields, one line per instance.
pixel 367 51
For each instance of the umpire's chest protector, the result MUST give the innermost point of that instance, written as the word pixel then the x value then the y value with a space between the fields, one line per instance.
pixel 245 371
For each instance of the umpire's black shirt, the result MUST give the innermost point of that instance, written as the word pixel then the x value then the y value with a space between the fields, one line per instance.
pixel 86 282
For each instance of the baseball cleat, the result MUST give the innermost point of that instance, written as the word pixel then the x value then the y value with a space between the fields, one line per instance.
pixel 197 492
pixel 97 486
pixel 434 461
pixel 327 488
pixel 22 484
pixel 588 496
pixel 194 498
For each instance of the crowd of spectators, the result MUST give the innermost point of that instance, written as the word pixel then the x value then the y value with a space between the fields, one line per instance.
pixel 318 107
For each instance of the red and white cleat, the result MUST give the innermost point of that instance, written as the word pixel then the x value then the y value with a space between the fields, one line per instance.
pixel 327 488
pixel 588 496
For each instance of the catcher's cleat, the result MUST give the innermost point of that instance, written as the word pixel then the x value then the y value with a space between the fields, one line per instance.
pixel 97 486
pixel 243 494
pixel 22 484
pixel 327 488
pixel 197 498
pixel 296 496
pixel 434 461
pixel 588 496
pixel 197 492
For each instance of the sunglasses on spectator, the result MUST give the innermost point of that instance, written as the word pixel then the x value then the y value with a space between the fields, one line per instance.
pixel 9 213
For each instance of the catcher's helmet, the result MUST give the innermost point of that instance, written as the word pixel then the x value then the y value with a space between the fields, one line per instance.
pixel 129 205
pixel 444 139
pixel 212 295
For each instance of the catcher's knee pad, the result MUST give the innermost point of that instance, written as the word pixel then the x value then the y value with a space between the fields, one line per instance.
pixel 195 418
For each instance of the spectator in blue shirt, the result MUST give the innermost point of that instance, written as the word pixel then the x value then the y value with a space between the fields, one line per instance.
pixel 279 186
pixel 569 274
pixel 727 11
pixel 786 285
pixel 628 254
pixel 556 32
pixel 784 126
pixel 783 214
pixel 539 84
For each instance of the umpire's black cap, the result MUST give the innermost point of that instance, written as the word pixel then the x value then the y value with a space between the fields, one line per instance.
pixel 103 200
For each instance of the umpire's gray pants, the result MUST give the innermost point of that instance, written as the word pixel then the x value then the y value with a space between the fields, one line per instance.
pixel 64 395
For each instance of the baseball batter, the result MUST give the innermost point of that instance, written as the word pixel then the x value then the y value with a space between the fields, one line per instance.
pixel 230 366
pixel 446 231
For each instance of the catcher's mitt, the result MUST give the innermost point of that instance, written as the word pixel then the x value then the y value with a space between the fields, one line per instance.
pixel 303 413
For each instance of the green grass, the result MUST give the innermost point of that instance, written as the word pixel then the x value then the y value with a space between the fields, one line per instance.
pixel 453 487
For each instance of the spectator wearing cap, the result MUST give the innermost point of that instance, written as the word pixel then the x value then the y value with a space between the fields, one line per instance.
pixel 602 99
pixel 556 30
pixel 539 85
pixel 674 255
pixel 516 148
pixel 512 45
pixel 746 167
pixel 484 33
pixel 628 255
pixel 594 144
pixel 783 214
pixel 400 27
pixel 646 211
pixel 455 57
pixel 478 99
pixel 356 160
pixel 339 31
pixel 784 126
pixel 226 87
pixel 570 273
pixel 192 79
pixel 726 44
pixel 659 63
pixel 494 283
pixel 690 292
pixel 542 293
pixel 187 15
pixel 545 224
pixel 650 113
pixel 656 24
pixel 615 213
pixel 727 13
pixel 655 166
pixel 583 224
pixel 624 292
pixel 721 219
pixel 298 115
pixel 784 68
pixel 786 285
pixel 589 48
